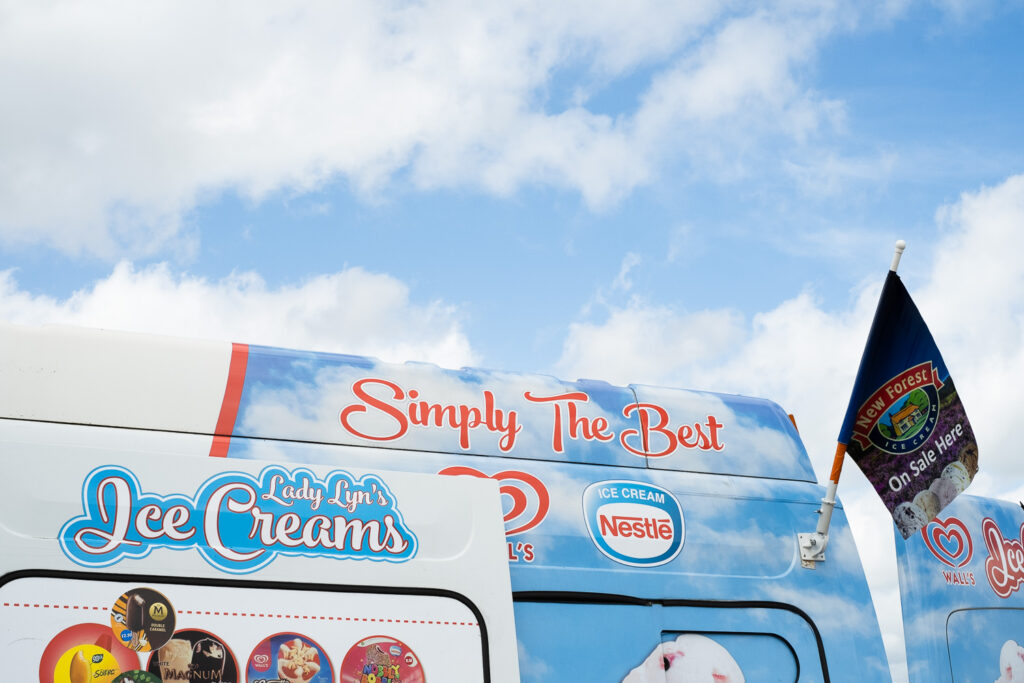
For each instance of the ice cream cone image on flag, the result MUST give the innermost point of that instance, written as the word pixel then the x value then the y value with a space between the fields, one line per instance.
pixel 80 671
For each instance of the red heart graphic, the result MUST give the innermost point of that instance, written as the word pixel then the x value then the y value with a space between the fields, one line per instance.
pixel 949 541
pixel 518 486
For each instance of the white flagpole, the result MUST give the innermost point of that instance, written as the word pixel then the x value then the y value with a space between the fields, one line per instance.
pixel 897 255
pixel 812 545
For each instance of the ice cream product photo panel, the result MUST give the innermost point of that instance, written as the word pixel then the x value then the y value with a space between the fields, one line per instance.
pixel 195 655
pixel 142 619
pixel 232 633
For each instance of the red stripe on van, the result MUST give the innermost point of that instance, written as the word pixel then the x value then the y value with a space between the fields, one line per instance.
pixel 232 397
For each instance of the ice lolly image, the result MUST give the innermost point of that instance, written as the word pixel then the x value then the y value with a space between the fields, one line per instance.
pixel 80 671
pixel 135 618
pixel 690 658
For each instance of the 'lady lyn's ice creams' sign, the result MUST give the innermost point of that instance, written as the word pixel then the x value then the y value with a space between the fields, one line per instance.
pixel 239 522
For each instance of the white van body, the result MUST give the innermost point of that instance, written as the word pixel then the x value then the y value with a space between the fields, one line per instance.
pixel 650 534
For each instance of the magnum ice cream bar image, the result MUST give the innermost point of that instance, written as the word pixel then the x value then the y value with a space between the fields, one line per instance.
pixel 195 656
pixel 142 619
pixel 208 659
pixel 135 619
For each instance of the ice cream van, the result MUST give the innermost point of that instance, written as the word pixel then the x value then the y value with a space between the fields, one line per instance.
pixel 315 517
pixel 961 579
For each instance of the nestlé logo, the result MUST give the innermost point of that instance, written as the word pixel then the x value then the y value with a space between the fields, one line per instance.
pixel 634 523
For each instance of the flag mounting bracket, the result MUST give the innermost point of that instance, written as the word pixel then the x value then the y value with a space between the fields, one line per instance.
pixel 812 549
pixel 812 545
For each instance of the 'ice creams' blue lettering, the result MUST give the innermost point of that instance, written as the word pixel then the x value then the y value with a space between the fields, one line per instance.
pixel 239 522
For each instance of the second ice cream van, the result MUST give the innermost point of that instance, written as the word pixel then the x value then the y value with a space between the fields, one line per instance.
pixel 323 517
pixel 961 579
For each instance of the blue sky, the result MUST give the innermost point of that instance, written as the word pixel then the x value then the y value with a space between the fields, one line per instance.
pixel 924 106
pixel 692 194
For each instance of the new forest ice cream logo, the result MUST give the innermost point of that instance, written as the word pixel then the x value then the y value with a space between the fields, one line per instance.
pixel 901 414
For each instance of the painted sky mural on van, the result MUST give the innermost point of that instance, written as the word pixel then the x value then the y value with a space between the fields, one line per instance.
pixel 680 508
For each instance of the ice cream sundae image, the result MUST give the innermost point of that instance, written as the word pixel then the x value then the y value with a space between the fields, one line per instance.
pixel 1011 663
pixel 690 658
pixel 297 662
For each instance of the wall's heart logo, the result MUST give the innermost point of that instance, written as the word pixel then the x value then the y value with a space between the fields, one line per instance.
pixel 522 488
pixel 949 541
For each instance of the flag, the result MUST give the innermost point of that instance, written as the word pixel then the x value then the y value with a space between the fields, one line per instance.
pixel 905 426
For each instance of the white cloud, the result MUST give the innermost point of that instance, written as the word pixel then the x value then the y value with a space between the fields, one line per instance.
pixel 629 262
pixel 124 116
pixel 352 311
pixel 805 358
pixel 648 344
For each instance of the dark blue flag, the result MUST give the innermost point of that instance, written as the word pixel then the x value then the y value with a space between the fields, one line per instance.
pixel 905 426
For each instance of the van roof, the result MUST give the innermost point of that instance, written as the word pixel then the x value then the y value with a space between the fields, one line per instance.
pixel 240 392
